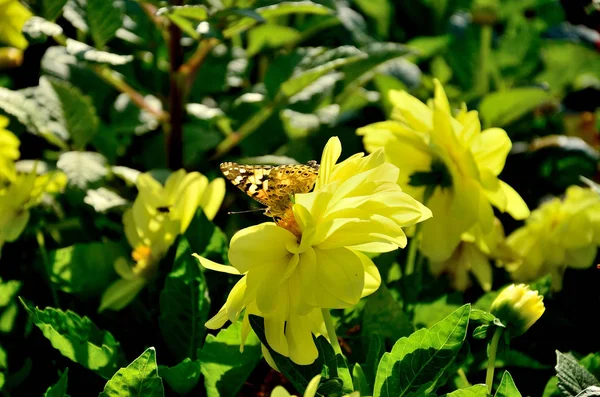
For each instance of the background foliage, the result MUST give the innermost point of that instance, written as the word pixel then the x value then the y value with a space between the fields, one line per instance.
pixel 104 89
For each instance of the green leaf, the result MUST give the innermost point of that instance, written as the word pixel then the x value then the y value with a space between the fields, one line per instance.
pixel 8 290
pixel 104 18
pixel 78 112
pixel 381 11
pixel 276 10
pixel 186 17
pixel 140 378
pixel 383 315
pixel 184 304
pixel 417 362
pixel 360 380
pixel 472 391
pixel 319 64
pixel 592 391
pixel 8 317
pixel 78 339
pixel 60 388
pixel 507 387
pixel 85 269
pixel 335 366
pixel 206 239
pixel 441 70
pixel 374 353
pixel 224 367
pixel 573 378
pixel 183 377
pixel 427 46
pixel 501 108
pixel 551 389
pixel 385 84
pixel 87 53
pixel 51 9
pixel 270 36
pixel 427 314
pixel 82 168
pixel 37 29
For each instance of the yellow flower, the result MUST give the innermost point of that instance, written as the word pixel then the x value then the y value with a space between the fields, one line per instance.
pixel 9 151
pixel 19 197
pixel 311 390
pixel 559 234
pixel 447 163
pixel 473 255
pixel 158 215
pixel 518 307
pixel 13 15
pixel 317 261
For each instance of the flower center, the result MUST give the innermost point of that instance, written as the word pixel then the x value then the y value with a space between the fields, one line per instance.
pixel 288 222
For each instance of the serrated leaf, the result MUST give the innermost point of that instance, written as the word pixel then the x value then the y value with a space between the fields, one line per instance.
pixel 140 378
pixel 104 18
pixel 573 378
pixel 417 362
pixel 78 339
pixel 85 269
pixel 592 391
pixel 184 304
pixel 82 168
pixel 78 112
pixel 471 391
pixel 37 29
pixel 501 108
pixel 275 10
pixel 51 9
pixel 224 367
pixel 507 387
pixel 183 377
pixel 87 53
pixel 60 388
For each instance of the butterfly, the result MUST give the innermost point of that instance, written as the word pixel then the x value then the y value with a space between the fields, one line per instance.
pixel 273 186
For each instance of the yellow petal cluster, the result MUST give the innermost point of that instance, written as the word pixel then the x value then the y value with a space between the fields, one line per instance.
pixel 448 163
pixel 473 255
pixel 290 274
pixel 13 16
pixel 25 192
pixel 558 235
pixel 158 215
pixel 9 152
pixel 518 307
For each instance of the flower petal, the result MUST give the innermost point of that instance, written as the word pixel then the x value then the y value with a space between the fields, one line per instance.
pixel 490 149
pixel 331 153
pixel 302 347
pixel 340 278
pixel 120 293
pixel 213 197
pixel 210 265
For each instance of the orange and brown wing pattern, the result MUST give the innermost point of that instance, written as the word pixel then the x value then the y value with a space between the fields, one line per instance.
pixel 272 186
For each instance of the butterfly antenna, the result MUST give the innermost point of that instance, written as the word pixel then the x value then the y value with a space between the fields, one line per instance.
pixel 244 212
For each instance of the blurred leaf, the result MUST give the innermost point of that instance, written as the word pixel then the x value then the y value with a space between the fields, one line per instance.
pixel 85 269
pixel 206 239
pixel 383 315
pixel 508 358
pixel 86 53
pixel 354 23
pixel 276 10
pixel 78 339
pixel 380 10
pixel 384 84
pixel 440 69
pixel 426 314
pixel 105 18
pixel 8 290
pixel 78 112
pixel 592 391
pixel 501 108
pixel 507 387
pixel 103 199
pixel 425 47
pixel 270 36
pixel 13 15
pixel 8 317
pixel 224 367
pixel 74 12
pixel 38 29
pixel 82 168
pixel 518 49
pixel 463 56
pixel 60 388
pixel 573 378
pixel 471 391
pixel 418 362
pixel 184 304
pixel 551 389
pixel 186 17
pixel 183 377
pixel 51 9
pixel 140 378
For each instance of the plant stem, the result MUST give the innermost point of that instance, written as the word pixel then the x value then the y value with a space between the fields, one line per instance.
pixel 483 82
pixel 189 70
pixel 489 376
pixel 246 129
pixel 331 331
pixel 174 134
pixel 39 235
pixel 412 251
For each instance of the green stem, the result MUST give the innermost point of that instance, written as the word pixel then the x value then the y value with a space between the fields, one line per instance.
pixel 489 376
pixel 483 82
pixel 331 331
pixel 412 251
pixel 42 244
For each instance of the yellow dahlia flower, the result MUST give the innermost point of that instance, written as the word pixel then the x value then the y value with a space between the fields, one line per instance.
pixel 317 261
pixel 559 234
pixel 452 160
pixel 158 215
pixel 473 255
pixel 9 151
pixel 518 307
pixel 25 192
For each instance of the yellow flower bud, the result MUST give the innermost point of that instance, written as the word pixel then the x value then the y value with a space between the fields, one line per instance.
pixel 518 307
